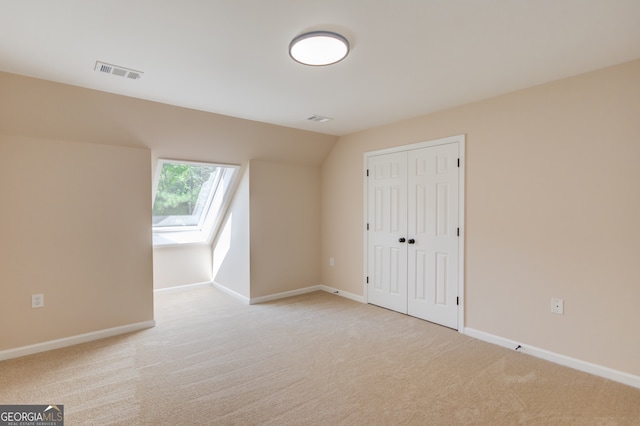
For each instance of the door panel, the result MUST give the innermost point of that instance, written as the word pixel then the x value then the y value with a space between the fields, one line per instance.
pixel 387 218
pixel 432 223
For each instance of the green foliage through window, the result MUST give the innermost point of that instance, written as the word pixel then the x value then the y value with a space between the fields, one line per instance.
pixel 190 200
pixel 179 188
pixel 183 190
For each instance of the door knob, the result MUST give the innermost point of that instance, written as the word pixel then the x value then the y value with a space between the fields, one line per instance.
pixel 411 241
pixel 401 240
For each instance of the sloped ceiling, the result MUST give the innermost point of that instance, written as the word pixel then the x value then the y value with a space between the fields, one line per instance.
pixel 408 58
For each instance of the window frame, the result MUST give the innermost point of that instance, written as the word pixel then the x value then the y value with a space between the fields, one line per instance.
pixel 226 180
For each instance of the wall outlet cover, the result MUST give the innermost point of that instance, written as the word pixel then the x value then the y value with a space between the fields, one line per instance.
pixel 557 306
pixel 37 300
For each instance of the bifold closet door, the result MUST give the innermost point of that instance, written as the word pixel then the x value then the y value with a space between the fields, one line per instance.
pixel 387 219
pixel 412 241
pixel 433 226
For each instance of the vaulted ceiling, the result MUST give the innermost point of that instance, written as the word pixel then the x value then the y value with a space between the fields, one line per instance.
pixel 408 57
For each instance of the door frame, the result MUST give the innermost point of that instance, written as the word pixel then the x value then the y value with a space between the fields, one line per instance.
pixel 460 140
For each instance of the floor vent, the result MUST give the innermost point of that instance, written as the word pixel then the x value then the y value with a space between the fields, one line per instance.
pixel 118 71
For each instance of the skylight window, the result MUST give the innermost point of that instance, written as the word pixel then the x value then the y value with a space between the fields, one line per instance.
pixel 189 200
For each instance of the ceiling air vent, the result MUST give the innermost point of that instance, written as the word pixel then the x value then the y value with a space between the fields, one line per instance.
pixel 118 70
pixel 318 118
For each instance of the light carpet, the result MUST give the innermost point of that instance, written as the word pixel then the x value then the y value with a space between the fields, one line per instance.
pixel 315 359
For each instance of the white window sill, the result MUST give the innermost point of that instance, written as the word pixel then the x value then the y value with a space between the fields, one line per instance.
pixel 161 239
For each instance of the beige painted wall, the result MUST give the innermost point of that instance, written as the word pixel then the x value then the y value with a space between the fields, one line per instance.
pixel 270 240
pixel 41 108
pixel 50 110
pixel 232 248
pixel 285 227
pixel 551 207
pixel 552 210
pixel 37 110
pixel 75 226
pixel 179 265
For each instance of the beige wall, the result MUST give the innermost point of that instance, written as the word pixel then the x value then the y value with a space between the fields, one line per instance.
pixel 40 108
pixel 50 110
pixel 75 226
pixel 285 227
pixel 552 210
pixel 179 265
pixel 86 263
pixel 269 242
pixel 274 230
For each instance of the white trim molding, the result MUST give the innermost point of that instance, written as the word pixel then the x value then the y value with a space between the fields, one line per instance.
pixel 342 293
pixel 181 287
pixel 297 292
pixel 284 294
pixel 577 364
pixel 74 340
pixel 230 292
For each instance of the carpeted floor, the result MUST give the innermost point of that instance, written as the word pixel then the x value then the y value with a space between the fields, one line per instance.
pixel 315 359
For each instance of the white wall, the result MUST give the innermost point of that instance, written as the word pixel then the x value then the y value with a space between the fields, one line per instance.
pixel 232 248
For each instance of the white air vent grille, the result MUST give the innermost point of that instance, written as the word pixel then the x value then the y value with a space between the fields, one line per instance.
pixel 118 71
pixel 318 118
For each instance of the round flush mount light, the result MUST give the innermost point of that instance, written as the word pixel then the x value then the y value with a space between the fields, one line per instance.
pixel 319 48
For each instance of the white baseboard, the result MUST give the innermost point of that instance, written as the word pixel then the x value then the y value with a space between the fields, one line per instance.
pixel 305 290
pixel 181 287
pixel 230 292
pixel 343 293
pixel 284 294
pixel 74 340
pixel 587 367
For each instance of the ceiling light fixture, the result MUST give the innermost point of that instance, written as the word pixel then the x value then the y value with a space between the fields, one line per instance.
pixel 319 48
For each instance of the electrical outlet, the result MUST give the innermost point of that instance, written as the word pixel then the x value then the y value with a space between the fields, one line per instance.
pixel 332 262
pixel 557 306
pixel 37 300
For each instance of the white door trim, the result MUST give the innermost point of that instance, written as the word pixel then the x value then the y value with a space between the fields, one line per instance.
pixel 460 140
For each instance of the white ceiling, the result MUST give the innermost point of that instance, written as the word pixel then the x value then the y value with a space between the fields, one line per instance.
pixel 408 58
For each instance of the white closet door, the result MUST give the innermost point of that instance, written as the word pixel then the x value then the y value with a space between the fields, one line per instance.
pixel 433 234
pixel 387 219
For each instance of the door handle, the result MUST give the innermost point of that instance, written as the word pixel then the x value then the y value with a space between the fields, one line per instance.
pixel 411 241
pixel 401 240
